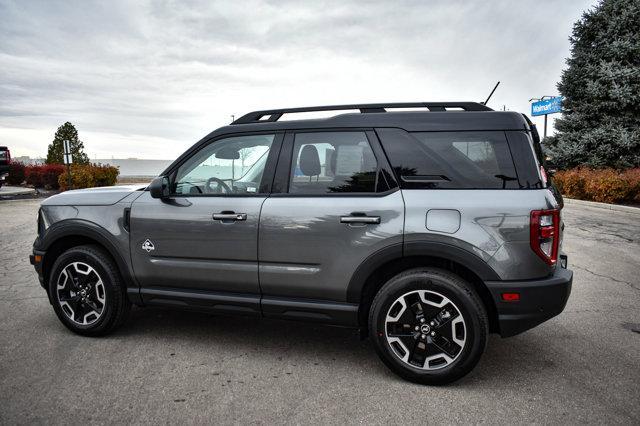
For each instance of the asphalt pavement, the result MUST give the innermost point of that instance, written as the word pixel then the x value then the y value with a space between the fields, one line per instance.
pixel 167 366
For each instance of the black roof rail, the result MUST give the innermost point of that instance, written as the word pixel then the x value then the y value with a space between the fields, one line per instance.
pixel 275 114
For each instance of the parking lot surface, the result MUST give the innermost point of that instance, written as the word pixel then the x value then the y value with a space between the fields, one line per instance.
pixel 171 366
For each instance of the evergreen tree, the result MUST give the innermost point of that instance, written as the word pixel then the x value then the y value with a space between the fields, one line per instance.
pixel 600 125
pixel 55 153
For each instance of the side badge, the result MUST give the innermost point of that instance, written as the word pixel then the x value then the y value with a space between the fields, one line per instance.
pixel 148 245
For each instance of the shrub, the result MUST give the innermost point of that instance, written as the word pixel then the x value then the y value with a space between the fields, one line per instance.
pixel 605 185
pixel 89 176
pixel 571 183
pixel 105 175
pixel 16 173
pixel 44 175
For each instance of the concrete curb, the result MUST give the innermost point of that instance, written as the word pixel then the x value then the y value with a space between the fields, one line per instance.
pixel 16 190
pixel 614 207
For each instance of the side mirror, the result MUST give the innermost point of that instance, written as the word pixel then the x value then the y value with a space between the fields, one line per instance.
pixel 159 187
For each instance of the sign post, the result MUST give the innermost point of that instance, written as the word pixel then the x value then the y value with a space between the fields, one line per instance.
pixel 68 160
pixel 543 106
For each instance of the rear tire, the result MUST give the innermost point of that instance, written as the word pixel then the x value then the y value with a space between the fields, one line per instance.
pixel 86 291
pixel 428 326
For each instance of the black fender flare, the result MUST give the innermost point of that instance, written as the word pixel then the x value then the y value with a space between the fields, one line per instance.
pixel 399 251
pixel 84 228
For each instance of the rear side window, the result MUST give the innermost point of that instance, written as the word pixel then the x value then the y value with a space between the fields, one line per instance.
pixel 522 149
pixel 450 160
pixel 332 162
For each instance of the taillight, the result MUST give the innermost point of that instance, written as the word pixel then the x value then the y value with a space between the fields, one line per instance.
pixel 545 234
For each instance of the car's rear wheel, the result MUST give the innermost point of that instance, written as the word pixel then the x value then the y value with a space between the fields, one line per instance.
pixel 428 325
pixel 87 292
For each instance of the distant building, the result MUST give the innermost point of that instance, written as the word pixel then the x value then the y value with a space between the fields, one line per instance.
pixel 25 159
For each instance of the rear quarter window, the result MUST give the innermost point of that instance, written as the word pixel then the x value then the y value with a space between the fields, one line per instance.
pixel 450 160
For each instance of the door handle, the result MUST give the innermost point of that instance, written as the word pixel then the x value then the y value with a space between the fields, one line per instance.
pixel 353 218
pixel 229 216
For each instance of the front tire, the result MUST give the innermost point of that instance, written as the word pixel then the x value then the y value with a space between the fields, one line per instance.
pixel 428 326
pixel 86 291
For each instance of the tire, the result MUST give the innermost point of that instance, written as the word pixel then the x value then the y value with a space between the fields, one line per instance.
pixel 96 303
pixel 455 325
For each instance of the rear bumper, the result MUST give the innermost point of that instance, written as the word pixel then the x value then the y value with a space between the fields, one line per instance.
pixel 539 301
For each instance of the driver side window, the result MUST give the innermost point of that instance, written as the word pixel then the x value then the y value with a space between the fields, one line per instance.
pixel 231 166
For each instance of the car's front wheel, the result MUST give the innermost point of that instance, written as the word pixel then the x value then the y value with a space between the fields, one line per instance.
pixel 428 325
pixel 87 292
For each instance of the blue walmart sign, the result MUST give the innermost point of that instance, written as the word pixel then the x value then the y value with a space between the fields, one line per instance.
pixel 548 106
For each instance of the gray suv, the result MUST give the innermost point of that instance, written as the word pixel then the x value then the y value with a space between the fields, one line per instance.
pixel 425 225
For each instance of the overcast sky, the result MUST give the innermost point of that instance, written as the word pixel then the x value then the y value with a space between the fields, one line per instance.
pixel 148 79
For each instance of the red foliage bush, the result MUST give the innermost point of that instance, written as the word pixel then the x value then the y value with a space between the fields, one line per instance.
pixel 605 185
pixel 44 175
pixel 17 172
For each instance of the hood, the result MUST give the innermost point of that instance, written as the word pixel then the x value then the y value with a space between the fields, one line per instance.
pixel 103 196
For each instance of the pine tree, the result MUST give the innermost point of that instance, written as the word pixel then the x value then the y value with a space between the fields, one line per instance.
pixel 600 125
pixel 56 148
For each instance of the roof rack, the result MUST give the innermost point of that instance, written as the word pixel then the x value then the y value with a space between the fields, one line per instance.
pixel 276 114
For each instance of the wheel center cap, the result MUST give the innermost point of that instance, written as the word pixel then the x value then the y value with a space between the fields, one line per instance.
pixel 425 329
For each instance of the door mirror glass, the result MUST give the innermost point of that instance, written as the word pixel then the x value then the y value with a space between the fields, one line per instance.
pixel 159 187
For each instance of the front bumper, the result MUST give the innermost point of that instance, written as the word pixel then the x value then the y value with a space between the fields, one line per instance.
pixel 539 301
pixel 37 259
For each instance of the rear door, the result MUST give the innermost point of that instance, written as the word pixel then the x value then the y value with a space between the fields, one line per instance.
pixel 334 203
pixel 199 248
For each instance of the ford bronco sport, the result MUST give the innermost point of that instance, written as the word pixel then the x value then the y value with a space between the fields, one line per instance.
pixel 426 225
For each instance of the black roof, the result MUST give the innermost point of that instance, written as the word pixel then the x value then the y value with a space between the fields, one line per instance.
pixel 440 116
pixel 467 116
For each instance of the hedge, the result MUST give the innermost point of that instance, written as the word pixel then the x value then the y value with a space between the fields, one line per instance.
pixel 604 185
pixel 89 176
pixel 44 175
pixel 17 173
pixel 54 176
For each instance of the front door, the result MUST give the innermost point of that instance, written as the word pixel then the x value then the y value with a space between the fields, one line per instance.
pixel 335 203
pixel 199 247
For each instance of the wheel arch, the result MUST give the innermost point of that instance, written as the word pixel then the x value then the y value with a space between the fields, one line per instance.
pixel 73 233
pixel 384 264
